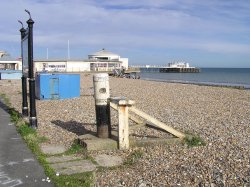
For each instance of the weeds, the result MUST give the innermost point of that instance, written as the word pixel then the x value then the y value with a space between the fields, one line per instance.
pixel 193 140
pixel 133 157
pixel 14 115
pixel 5 99
pixel 75 148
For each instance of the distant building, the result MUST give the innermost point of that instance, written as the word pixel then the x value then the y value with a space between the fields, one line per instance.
pixel 99 61
pixel 9 63
pixel 178 65
pixel 2 53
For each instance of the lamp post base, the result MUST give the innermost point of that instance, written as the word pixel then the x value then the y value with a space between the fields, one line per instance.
pixel 25 111
pixel 33 122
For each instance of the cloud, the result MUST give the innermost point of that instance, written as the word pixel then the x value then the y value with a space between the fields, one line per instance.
pixel 209 26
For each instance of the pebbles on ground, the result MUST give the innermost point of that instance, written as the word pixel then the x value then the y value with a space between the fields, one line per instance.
pixel 219 115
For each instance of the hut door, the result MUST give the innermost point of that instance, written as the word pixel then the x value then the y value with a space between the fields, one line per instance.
pixel 54 88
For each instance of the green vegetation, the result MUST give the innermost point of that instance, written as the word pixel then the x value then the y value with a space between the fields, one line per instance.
pixel 193 140
pixel 134 157
pixel 33 140
pixel 14 115
pixel 75 148
pixel 5 99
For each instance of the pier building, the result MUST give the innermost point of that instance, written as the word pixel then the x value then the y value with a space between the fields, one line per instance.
pixel 179 67
pixel 174 67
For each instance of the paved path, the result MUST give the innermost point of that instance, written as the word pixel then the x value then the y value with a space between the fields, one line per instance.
pixel 18 166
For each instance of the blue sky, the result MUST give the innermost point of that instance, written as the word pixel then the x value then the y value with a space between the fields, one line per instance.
pixel 214 33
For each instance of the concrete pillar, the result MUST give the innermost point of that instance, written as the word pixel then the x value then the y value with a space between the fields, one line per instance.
pixel 102 107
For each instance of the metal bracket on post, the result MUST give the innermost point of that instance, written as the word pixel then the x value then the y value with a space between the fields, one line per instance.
pixel 123 128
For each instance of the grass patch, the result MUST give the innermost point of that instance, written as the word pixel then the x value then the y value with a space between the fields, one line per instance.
pixel 25 130
pixel 32 140
pixel 5 99
pixel 14 115
pixel 193 140
pixel 80 179
pixel 133 157
pixel 75 148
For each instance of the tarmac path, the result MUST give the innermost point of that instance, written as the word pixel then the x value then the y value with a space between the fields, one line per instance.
pixel 18 166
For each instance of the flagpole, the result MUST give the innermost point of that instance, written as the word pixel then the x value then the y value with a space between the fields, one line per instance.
pixel 68 51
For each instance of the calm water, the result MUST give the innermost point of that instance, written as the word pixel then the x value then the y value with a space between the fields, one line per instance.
pixel 211 76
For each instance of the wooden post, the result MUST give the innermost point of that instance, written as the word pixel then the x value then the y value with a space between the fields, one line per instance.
pixel 123 132
pixel 133 118
pixel 123 126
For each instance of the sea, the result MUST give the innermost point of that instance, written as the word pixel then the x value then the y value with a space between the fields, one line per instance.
pixel 232 77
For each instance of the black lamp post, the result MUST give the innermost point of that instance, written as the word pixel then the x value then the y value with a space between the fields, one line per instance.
pixel 33 118
pixel 24 79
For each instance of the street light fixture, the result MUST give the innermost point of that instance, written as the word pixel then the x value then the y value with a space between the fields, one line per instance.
pixel 28 68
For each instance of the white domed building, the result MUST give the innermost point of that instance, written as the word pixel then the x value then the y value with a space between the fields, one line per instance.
pixel 2 53
pixel 104 55
pixel 107 60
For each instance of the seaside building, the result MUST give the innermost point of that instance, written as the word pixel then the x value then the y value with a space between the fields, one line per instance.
pixel 178 65
pixel 9 63
pixel 102 60
pixel 2 53
pixel 99 61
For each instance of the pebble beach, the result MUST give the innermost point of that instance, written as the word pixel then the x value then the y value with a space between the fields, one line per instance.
pixel 220 116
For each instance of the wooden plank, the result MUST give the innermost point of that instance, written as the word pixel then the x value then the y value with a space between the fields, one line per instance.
pixel 133 118
pixel 136 120
pixel 114 106
pixel 157 122
pixel 123 132
pixel 137 126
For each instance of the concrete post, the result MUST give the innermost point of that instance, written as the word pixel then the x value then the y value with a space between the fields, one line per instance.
pixel 102 107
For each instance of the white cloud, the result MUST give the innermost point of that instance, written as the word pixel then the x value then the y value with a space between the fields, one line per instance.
pixel 208 26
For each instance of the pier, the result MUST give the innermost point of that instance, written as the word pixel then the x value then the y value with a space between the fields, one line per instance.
pixel 179 70
pixel 171 68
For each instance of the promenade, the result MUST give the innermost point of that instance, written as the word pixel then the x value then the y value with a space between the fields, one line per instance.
pixel 18 166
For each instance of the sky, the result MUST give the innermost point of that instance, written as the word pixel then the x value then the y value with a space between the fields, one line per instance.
pixel 204 33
